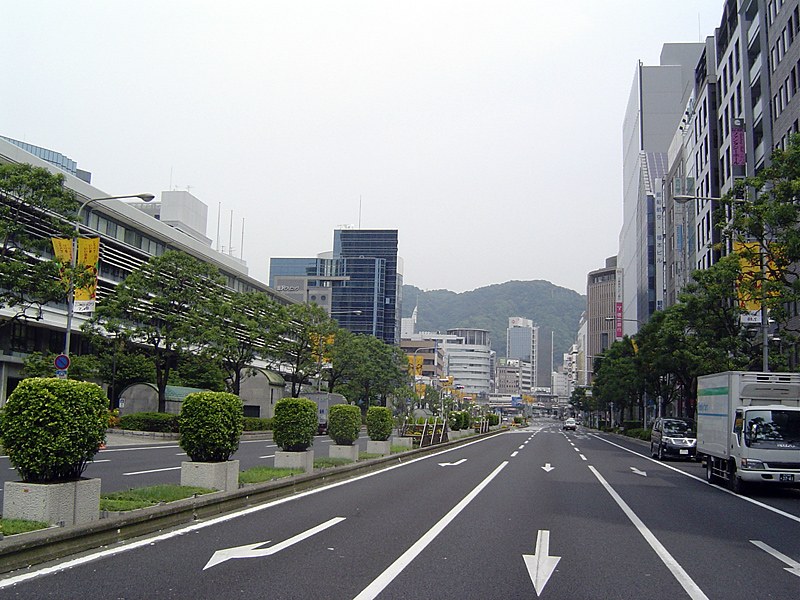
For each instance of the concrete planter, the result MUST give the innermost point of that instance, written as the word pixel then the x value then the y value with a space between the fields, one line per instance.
pixel 295 460
pixel 223 476
pixel 405 442
pixel 374 447
pixel 68 503
pixel 348 452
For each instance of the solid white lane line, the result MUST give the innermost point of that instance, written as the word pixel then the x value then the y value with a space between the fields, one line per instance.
pixel 152 471
pixel 702 480
pixel 675 568
pixel 385 578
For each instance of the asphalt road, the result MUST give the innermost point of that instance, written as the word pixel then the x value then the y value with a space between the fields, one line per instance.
pixel 535 511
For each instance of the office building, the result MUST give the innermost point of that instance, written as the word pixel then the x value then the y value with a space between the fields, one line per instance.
pixel 359 283
pixel 601 307
pixel 128 238
pixel 656 103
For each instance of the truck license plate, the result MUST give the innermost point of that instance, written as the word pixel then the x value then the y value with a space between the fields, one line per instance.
pixel 787 477
pixel 684 452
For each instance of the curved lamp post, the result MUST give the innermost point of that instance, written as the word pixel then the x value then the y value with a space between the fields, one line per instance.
pixel 73 261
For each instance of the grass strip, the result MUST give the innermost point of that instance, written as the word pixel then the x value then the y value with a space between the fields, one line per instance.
pixel 148 496
pixel 15 526
pixel 260 474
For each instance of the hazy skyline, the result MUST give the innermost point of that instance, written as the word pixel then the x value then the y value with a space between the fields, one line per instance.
pixel 488 133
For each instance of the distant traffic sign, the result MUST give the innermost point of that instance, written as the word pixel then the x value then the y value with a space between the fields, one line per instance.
pixel 62 362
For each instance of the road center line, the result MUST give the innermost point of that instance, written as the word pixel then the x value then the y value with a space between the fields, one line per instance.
pixel 675 568
pixel 397 567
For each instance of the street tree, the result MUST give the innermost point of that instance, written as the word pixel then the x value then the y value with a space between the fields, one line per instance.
pixel 167 306
pixel 246 328
pixel 30 279
pixel 300 345
pixel 378 371
pixel 618 377
pixel 764 214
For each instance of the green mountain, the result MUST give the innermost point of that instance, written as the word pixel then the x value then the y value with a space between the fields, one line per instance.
pixel 549 306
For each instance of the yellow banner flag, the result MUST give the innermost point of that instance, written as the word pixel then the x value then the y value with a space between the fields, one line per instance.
pixel 415 364
pixel 63 250
pixel 88 257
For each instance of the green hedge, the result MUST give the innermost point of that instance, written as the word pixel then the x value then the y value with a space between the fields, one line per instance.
pixel 257 424
pixel 455 421
pixel 493 419
pixel 51 428
pixel 211 426
pixel 294 424
pixel 344 423
pixel 379 423
pixel 150 421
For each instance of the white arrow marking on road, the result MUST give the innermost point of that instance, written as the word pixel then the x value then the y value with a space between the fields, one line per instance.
pixel 794 566
pixel 547 467
pixel 638 472
pixel 541 565
pixel 249 550
pixel 453 464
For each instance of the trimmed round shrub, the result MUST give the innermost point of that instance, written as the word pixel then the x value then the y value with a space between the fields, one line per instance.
pixel 294 424
pixel 466 419
pixel 344 423
pixel 150 421
pixel 211 425
pixel 493 419
pixel 454 420
pixel 379 423
pixel 51 428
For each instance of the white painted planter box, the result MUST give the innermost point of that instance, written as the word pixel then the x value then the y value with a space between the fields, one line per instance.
pixel 223 476
pixel 405 442
pixel 68 503
pixel 348 452
pixel 374 447
pixel 295 460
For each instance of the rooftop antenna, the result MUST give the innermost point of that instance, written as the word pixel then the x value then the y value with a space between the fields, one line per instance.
pixel 241 246
pixel 219 214
pixel 230 236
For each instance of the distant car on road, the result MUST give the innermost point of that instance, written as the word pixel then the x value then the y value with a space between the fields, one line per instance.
pixel 673 437
pixel 570 424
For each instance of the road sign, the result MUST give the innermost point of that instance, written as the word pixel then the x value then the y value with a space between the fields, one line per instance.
pixel 61 373
pixel 61 362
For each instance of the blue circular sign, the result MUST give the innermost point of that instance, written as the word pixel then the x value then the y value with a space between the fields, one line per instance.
pixel 62 362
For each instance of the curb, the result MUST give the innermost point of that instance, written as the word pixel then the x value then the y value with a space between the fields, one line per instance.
pixel 43 545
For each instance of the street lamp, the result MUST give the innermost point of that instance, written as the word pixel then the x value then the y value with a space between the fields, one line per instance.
pixel 73 261
pixel 762 263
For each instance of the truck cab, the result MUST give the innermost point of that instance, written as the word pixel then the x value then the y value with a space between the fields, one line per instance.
pixel 749 428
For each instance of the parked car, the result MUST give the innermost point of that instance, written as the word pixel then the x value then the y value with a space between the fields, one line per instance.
pixel 673 437
pixel 570 424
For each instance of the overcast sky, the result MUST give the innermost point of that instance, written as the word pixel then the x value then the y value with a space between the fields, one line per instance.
pixel 488 133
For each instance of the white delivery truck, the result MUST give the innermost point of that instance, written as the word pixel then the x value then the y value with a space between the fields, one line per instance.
pixel 748 427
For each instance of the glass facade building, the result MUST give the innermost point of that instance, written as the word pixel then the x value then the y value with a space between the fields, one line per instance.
pixel 360 285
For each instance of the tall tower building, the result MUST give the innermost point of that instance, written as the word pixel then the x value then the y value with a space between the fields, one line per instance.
pixel 656 104
pixel 359 283
pixel 601 296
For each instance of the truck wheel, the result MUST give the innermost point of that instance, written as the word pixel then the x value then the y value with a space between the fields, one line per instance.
pixel 736 483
